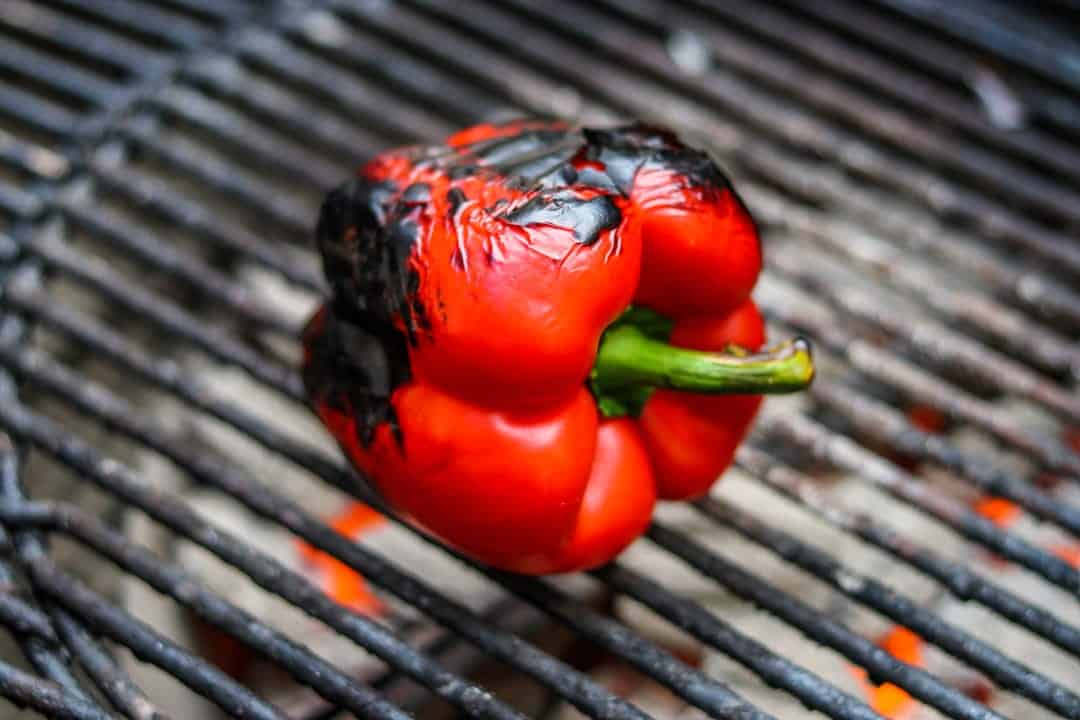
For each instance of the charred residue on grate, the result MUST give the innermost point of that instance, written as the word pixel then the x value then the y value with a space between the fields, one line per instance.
pixel 198 207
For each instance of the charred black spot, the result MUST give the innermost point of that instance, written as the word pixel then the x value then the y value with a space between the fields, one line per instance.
pixel 456 198
pixel 348 216
pixel 463 171
pixel 365 241
pixel 354 368
pixel 587 218
pixel 601 180
pixel 625 150
pixel 513 148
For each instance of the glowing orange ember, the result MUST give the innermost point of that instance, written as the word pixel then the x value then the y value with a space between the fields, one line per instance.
pixel 888 699
pixel 340 582
pixel 1068 553
pixel 927 418
pixel 997 510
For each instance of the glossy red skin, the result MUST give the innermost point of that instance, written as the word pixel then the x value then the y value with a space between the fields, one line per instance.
pixel 701 254
pixel 522 329
pixel 689 459
pixel 617 506
pixel 503 455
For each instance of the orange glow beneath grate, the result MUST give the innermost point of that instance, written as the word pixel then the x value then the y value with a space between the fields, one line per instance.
pixel 888 699
pixel 339 581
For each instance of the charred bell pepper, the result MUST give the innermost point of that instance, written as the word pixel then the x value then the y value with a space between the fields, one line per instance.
pixel 536 331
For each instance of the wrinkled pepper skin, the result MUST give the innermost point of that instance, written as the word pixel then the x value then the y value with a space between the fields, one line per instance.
pixel 471 286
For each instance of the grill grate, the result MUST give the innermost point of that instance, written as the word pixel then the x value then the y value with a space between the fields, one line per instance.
pixel 160 165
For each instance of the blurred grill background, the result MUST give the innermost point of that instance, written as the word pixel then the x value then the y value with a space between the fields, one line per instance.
pixel 901 541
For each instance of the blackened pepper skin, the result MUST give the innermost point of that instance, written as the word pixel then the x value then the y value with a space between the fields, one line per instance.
pixel 472 285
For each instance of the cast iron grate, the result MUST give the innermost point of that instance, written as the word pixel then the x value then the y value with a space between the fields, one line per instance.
pixel 916 172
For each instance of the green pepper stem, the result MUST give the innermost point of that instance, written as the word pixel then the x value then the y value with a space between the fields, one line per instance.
pixel 628 357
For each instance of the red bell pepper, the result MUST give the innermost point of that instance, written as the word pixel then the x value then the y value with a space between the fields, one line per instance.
pixel 532 335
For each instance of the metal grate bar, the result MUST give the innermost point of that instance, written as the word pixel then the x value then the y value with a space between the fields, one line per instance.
pixel 41 651
pixel 30 160
pixel 169 579
pixel 893 79
pixel 167 375
pixel 959 580
pixel 37 113
pixel 689 683
pixel 255 144
pixel 145 643
pixel 876 118
pixel 87 88
pixel 95 661
pixel 800 310
pixel 878 421
pixel 784 124
pixel 50 28
pixel 348 92
pixel 1003 326
pixel 23 618
pixel 149 194
pixel 444 648
pixel 775 670
pixel 841 451
pixel 914 229
pixel 104 225
pixel 219 11
pixel 970 29
pixel 226 79
pixel 942 347
pixel 428 39
pixel 1008 673
pixel 819 627
pixel 578 690
pixel 281 216
pixel 122 693
pixel 16 203
pixel 46 697
pixel 265 571
pixel 140 639
pixel 369 56
pixel 70 390
pixel 172 317
pixel 939 56
pixel 157 26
